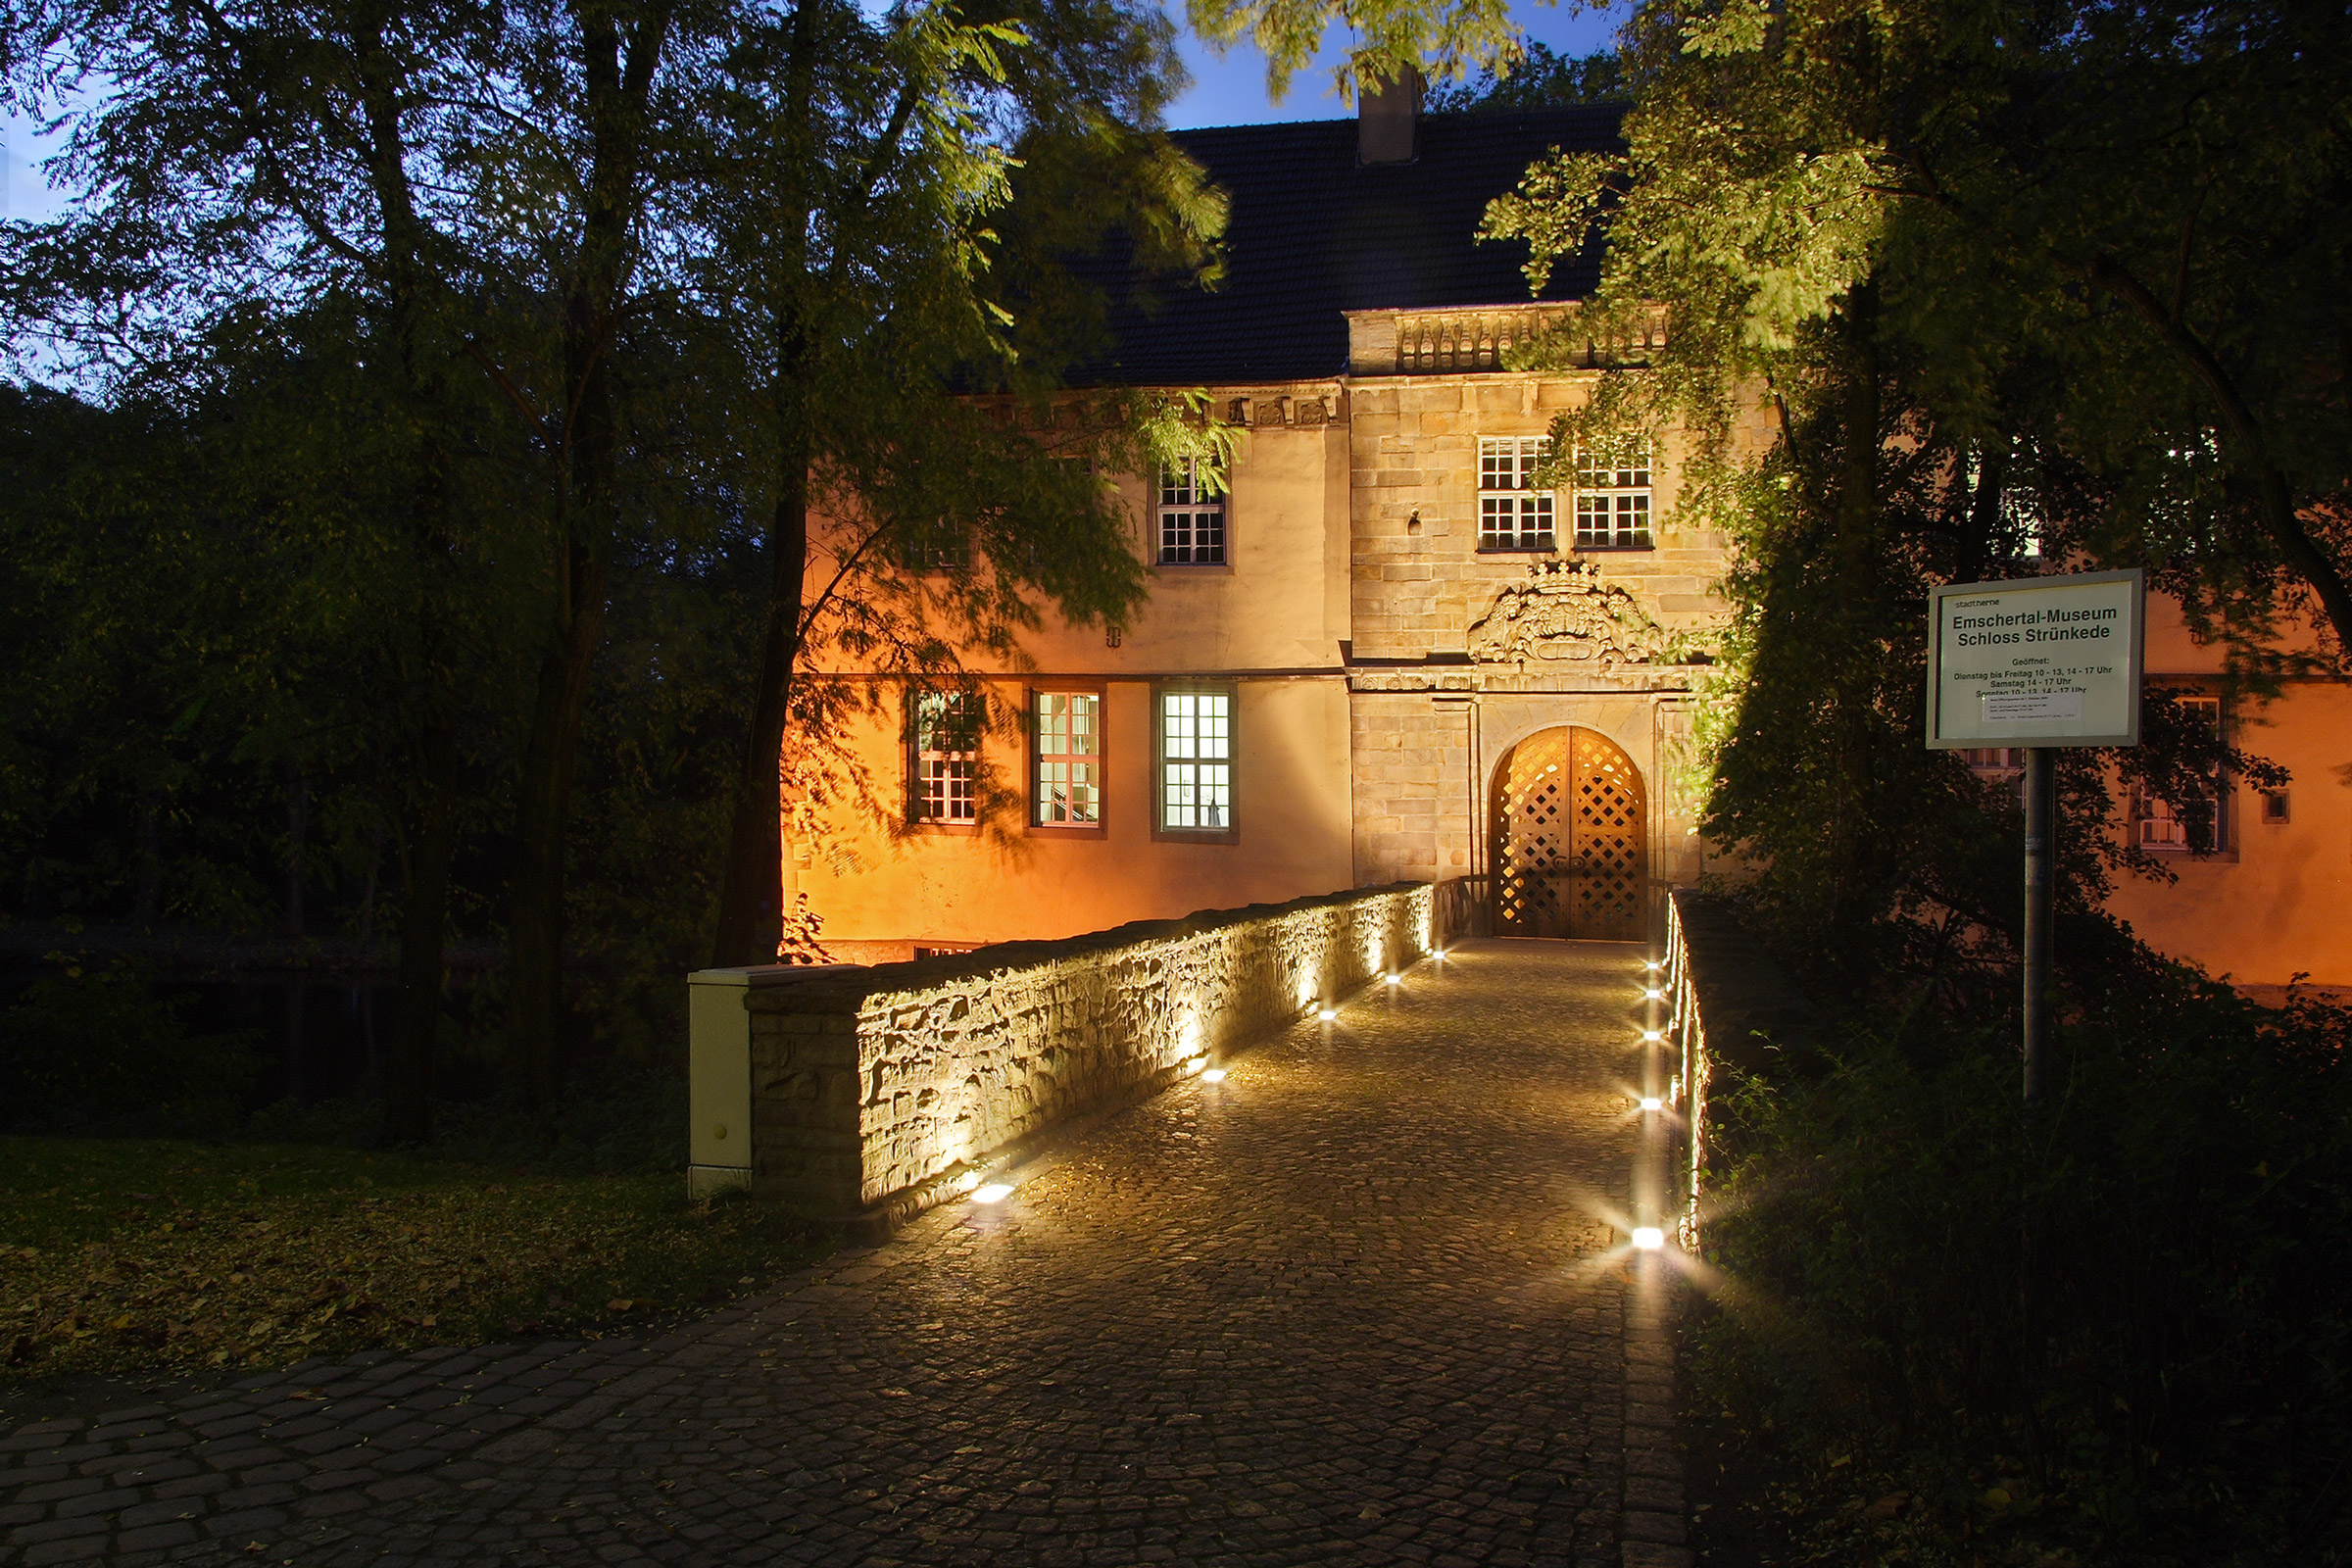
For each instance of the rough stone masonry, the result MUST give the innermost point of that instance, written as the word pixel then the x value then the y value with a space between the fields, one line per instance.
pixel 874 1090
pixel 1363 1302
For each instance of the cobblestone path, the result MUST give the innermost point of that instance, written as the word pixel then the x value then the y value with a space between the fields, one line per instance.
pixel 1361 1302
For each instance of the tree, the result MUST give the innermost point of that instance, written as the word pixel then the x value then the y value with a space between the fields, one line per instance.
pixel 252 162
pixel 2132 218
pixel 1541 78
pixel 871 216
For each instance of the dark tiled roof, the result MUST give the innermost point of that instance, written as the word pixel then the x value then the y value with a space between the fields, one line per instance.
pixel 1313 234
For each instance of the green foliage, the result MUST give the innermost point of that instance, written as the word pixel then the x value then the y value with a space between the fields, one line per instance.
pixel 1390 36
pixel 1541 78
pixel 453 389
pixel 2126 1315
pixel 101 1053
pixel 2103 240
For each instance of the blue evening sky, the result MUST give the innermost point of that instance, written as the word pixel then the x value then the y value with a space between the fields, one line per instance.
pixel 1231 91
pixel 1227 90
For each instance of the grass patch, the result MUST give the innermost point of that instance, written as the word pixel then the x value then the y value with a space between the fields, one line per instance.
pixel 139 1257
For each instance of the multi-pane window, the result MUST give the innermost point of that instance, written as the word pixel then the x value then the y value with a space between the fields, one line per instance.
pixel 2005 765
pixel 1192 516
pixel 947 758
pixel 1196 760
pixel 938 546
pixel 2162 824
pixel 1069 760
pixel 1512 513
pixel 1612 495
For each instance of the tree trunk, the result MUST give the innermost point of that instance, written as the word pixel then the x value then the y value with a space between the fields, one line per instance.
pixel 1855 553
pixel 752 893
pixel 148 898
pixel 411 1063
pixel 619 84
pixel 751 896
pixel 298 828
pixel 543 814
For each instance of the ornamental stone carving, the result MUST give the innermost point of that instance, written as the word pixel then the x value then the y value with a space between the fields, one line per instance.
pixel 1566 614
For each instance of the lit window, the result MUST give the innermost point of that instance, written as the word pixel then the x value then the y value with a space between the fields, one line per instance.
pixel 1192 516
pixel 2167 825
pixel 1196 760
pixel 947 758
pixel 1069 760
pixel 1612 495
pixel 1512 513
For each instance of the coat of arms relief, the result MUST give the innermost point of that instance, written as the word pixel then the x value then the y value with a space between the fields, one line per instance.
pixel 1566 614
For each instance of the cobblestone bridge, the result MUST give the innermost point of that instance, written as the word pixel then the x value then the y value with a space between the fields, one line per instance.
pixel 1363 1301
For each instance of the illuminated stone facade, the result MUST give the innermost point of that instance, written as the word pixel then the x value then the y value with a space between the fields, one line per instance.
pixel 883 1090
pixel 1388 629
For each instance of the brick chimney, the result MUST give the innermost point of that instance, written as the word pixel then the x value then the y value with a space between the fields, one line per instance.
pixel 1387 116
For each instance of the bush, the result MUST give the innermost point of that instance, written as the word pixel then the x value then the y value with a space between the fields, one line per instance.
pixel 2123 1320
pixel 101 1053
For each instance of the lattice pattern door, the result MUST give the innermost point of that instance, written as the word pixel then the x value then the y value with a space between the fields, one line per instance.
pixel 1570 852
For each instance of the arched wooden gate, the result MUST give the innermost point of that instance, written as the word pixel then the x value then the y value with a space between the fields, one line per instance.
pixel 1571 843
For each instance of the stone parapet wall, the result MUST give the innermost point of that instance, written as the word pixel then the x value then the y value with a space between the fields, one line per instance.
pixel 875 1092
pixel 1729 1003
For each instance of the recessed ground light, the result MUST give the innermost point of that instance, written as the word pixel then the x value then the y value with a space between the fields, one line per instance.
pixel 1648 1238
pixel 993 1193
pixel 1327 1013
pixel 1214 1075
pixel 1651 1103
pixel 1392 979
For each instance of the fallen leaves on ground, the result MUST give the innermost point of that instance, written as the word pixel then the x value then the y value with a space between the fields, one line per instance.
pixel 249 1278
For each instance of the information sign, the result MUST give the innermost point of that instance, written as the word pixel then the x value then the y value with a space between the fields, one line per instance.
pixel 2037 662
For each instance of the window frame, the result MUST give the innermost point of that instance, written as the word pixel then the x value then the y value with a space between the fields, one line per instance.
pixel 944 549
pixel 1585 462
pixel 1231 691
pixel 1099 827
pixel 1544 498
pixel 1219 506
pixel 2224 794
pixel 916 755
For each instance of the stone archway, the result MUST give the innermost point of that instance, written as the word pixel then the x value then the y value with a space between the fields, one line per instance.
pixel 1571 850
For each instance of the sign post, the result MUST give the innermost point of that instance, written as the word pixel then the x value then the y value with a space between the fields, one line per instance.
pixel 2039 663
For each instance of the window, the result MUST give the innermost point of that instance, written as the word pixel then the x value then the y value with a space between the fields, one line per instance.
pixel 2274 808
pixel 2160 826
pixel 2167 825
pixel 1069 761
pixel 934 546
pixel 1512 513
pixel 2005 765
pixel 1192 516
pixel 946 759
pixel 1195 759
pixel 1612 495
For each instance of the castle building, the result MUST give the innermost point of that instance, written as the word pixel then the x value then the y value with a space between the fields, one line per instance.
pixel 1381 651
